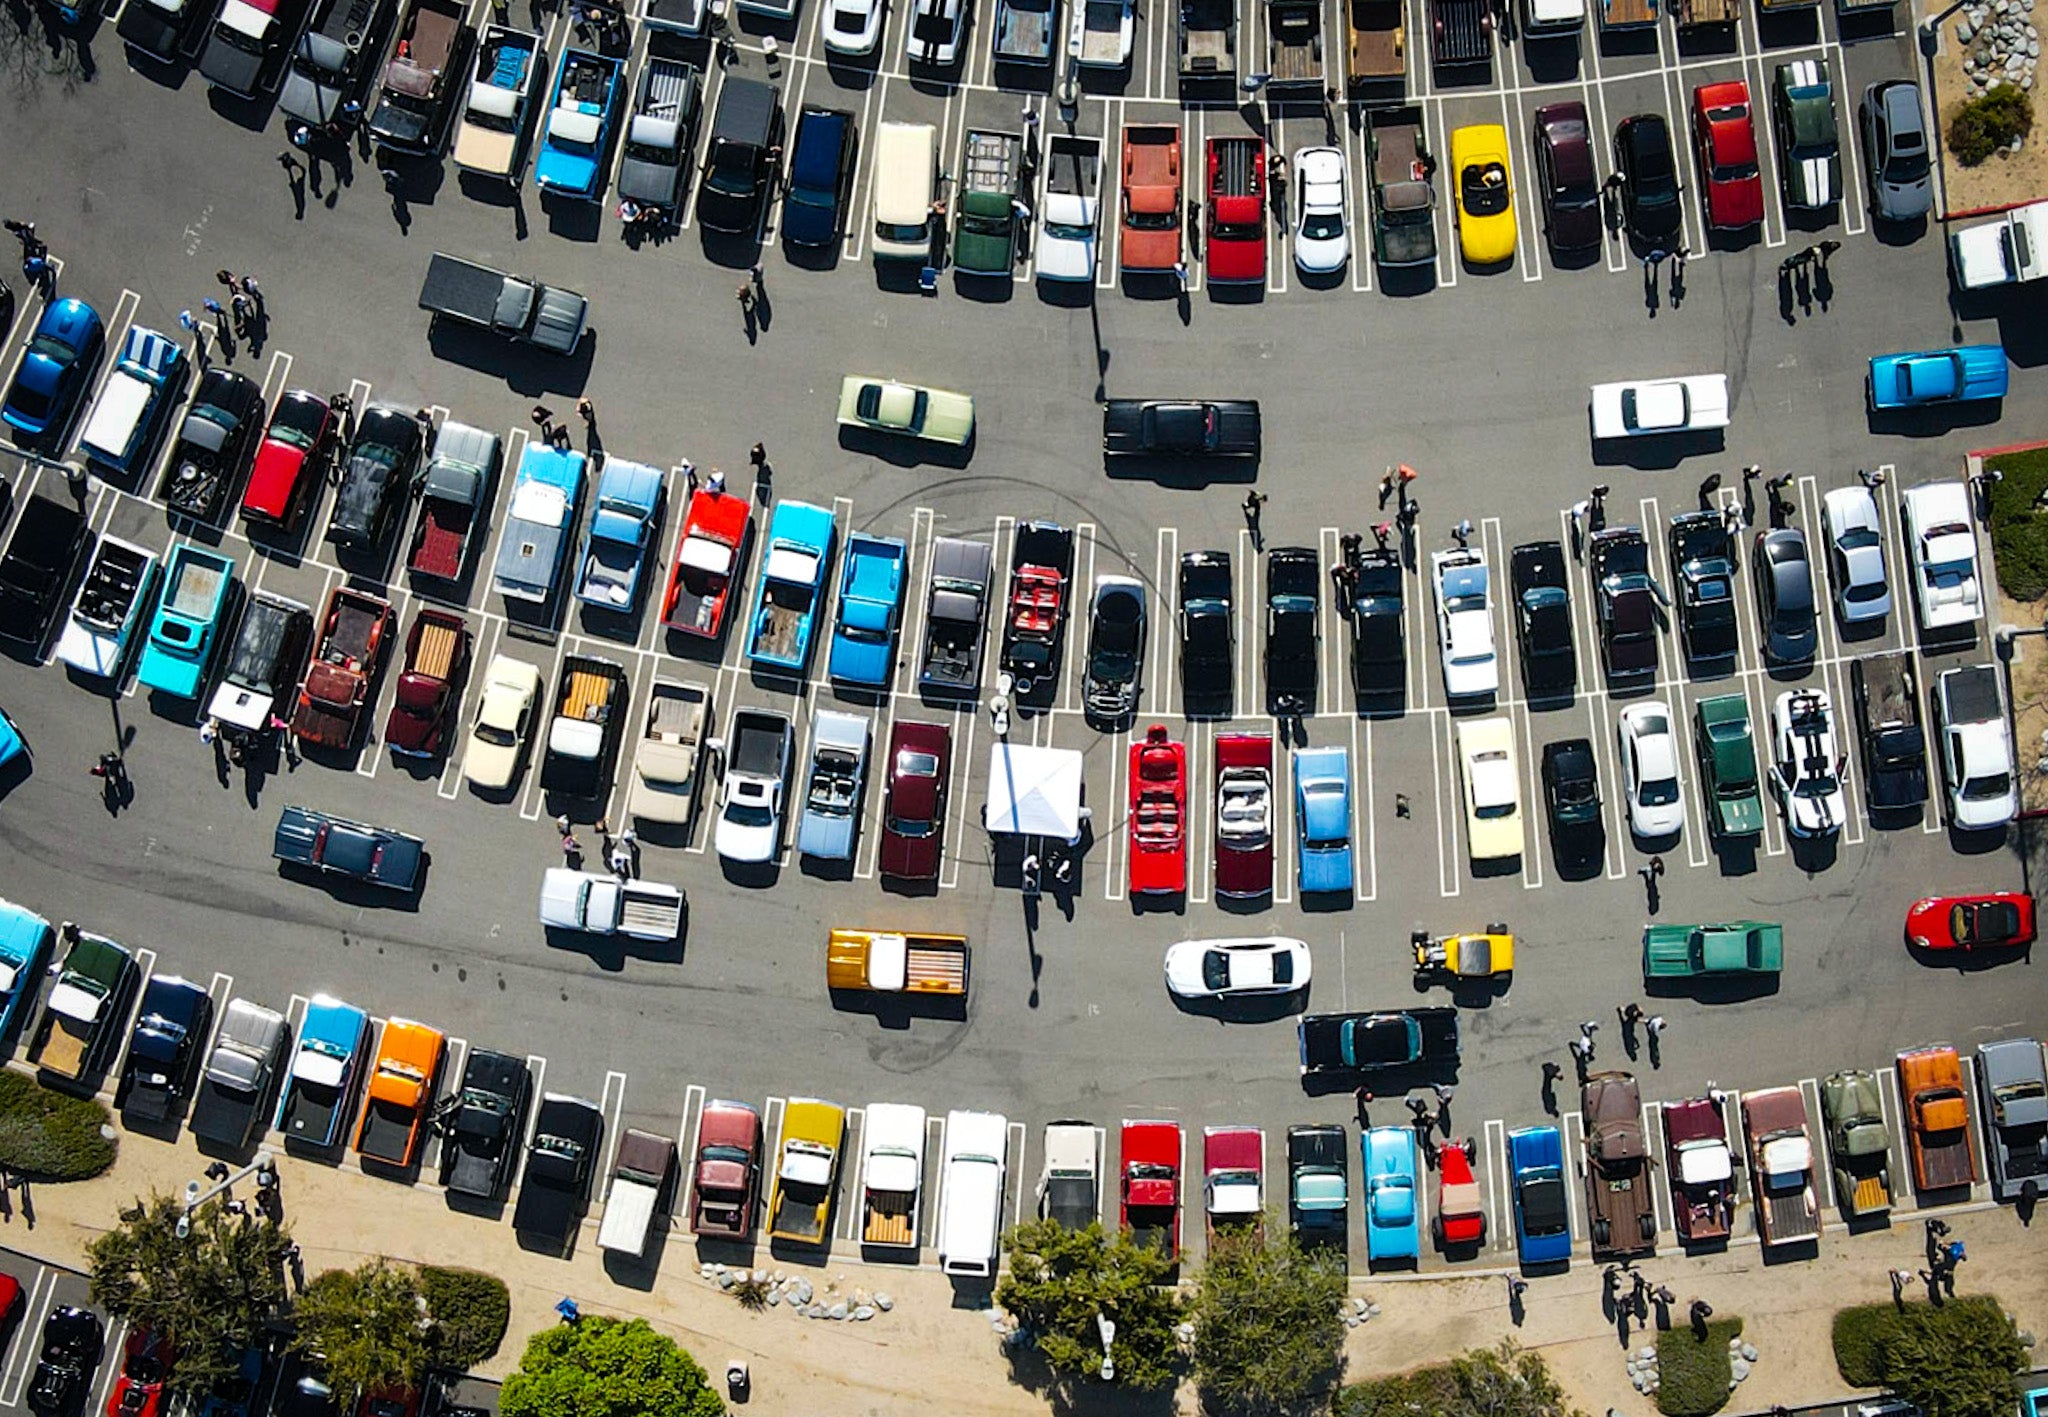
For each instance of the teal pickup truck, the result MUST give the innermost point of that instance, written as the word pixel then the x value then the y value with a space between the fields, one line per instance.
pixel 1727 754
pixel 1736 947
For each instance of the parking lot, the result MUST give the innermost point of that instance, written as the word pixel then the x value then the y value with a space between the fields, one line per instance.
pixel 1481 384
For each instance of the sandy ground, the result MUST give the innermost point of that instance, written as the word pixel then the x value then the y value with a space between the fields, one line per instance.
pixel 2005 179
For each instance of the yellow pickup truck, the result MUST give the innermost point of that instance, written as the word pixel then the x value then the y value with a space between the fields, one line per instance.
pixel 900 962
pixel 806 1171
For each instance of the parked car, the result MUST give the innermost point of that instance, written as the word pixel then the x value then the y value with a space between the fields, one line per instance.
pixel 1728 766
pixel 1158 815
pixel 886 406
pixel 1806 764
pixel 73 1344
pixel 1732 191
pixel 1149 1204
pixel 936 29
pixel 576 131
pixel 1543 618
pixel 1918 378
pixel 377 856
pixel 726 1171
pixel 504 718
pixel 1891 728
pixel 1293 629
pixel 1322 240
pixel 832 797
pixel 1536 1177
pixel 41 558
pixel 1318 1187
pixel 617 545
pixel 1855 542
pixel 1641 408
pixel 1379 634
pixel 1947 590
pixel 2012 1096
pixel 1464 622
pixel 1895 139
pixel 489 1118
pixel 744 156
pixel 1702 549
pixel 1237 968
pixel 1996 921
pixel 870 610
pixel 850 27
pixel 290 461
pixel 1648 168
pixel 171 1025
pixel 1208 629
pixel 1571 797
pixel 1322 805
pixel 50 381
pixel 114 598
pixel 1571 186
pixel 1625 597
pixel 1244 815
pixel 1809 153
pixel 376 479
pixel 1784 595
pixel 436 653
pixel 821 168
pixel 1393 1212
pixel 914 814
pixel 1485 210
pixel 1492 783
pixel 710 551
pixel 1649 770
pixel 1117 632
pixel 660 133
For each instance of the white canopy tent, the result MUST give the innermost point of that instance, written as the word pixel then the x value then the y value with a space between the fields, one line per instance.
pixel 1034 791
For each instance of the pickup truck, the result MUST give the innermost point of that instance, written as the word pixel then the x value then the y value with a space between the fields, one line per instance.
pixel 870 606
pixel 1728 773
pixel 491 138
pixel 331 61
pixel 1070 1187
pixel 1617 1168
pixel 1403 187
pixel 1208 39
pixel 710 551
pixel 1937 1117
pixel 351 648
pixel 321 1078
pixel 629 497
pixel 665 770
pixel 25 938
pixel 643 1182
pixel 1700 1167
pixel 1069 208
pixel 400 1093
pixel 896 962
pixel 229 1108
pixel 1461 32
pixel 1780 1166
pixel 756 771
pixel 1852 1113
pixel 1643 14
pixel 2009 249
pixel 660 131
pixel 1294 37
pixel 1099 35
pixel 1041 563
pixel 727 1170
pixel 1372 1042
pixel 1626 604
pixel 806 1171
pixel 800 541
pixel 547 498
pixel 80 1029
pixel 455 499
pixel 132 405
pixel 481 1124
pixel 1026 31
pixel 1705 14
pixel 560 1158
pixel 833 786
pixel 1894 746
pixel 249 44
pixel 1149 1208
pixel 956 616
pixel 2012 1095
pixel 683 17
pixel 742 159
pixel 523 310
pixel 436 652
pixel 1376 45
pixel 583 735
pixel 170 1029
pixel 1976 748
pixel 101 629
pixel 213 445
pixel 1149 242
pixel 421 78
pixel 37 568
pixel 1181 428
pixel 988 201
pixel 1235 253
pixel 607 905
pixel 576 133
pixel 891 1175
pixel 1703 559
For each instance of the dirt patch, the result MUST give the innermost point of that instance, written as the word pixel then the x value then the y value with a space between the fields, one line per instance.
pixel 2008 178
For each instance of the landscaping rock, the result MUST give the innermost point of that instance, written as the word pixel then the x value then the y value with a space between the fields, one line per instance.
pixel 1749 1352
pixel 838 1310
pixel 1739 1369
pixel 864 1313
pixel 725 1279
pixel 884 1302
pixel 774 1298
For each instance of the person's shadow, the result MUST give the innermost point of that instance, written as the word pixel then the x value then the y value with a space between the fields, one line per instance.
pixel 1785 295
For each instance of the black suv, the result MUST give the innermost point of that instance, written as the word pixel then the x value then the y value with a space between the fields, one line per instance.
pixel 73 1343
pixel 1207 631
pixel 1543 619
pixel 1649 179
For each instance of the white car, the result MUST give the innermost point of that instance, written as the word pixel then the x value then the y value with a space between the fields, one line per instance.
pixel 1493 796
pixel 1227 969
pixel 1069 209
pixel 1322 243
pixel 1464 623
pixel 1641 408
pixel 851 26
pixel 1806 769
pixel 936 28
pixel 1855 540
pixel 1099 33
pixel 1946 589
pixel 504 715
pixel 1649 770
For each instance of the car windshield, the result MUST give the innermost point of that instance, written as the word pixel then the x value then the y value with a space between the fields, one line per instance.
pixel 746 814
pixel 1322 226
pixel 1216 969
pixel 1988 786
pixel 1485 188
pixel 53 349
pixel 1659 792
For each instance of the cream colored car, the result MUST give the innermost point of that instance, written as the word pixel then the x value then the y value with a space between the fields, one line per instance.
pixel 1493 790
pixel 886 406
pixel 504 715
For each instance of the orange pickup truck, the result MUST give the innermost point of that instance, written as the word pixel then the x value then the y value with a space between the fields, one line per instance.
pixel 401 1093
pixel 1937 1117
pixel 1149 243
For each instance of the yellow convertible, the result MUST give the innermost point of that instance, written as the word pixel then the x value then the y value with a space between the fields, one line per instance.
pixel 1489 954
pixel 1486 194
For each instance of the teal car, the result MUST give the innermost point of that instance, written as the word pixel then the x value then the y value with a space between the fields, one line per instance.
pixel 1737 947
pixel 189 624
pixel 1959 375
pixel 1727 754
pixel 24 940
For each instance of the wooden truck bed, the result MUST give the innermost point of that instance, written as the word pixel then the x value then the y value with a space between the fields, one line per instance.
pixel 1628 14
pixel 888 1219
pixel 1701 14
pixel 930 971
pixel 438 647
pixel 586 696
pixel 1377 37
pixel 63 1046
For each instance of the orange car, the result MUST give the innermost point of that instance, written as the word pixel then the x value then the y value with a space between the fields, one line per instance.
pixel 401 1093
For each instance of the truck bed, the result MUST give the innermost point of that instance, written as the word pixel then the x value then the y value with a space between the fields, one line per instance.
pixel 1702 14
pixel 778 624
pixel 387 1132
pixel 441 539
pixel 585 695
pixel 1205 37
pixel 1970 695
pixel 756 747
pixel 1295 31
pixel 61 1046
pixel 1376 34
pixel 435 655
pixel 1462 31
pixel 797 1217
pixel 222 1114
pixel 1024 31
pixel 461 288
pixel 931 971
pixel 1632 14
pixel 889 1216
pixel 309 1118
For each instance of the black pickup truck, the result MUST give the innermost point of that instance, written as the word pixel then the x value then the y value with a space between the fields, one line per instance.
pixel 214 443
pixel 559 1162
pixel 482 1123
pixel 1207 654
pixel 1181 428
pixel 1379 652
pixel 170 1029
pixel 1370 1042
pixel 1292 598
pixel 544 316
pixel 1703 554
pixel 1894 742
pixel 37 568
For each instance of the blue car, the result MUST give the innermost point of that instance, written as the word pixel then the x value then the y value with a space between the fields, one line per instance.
pixel 1322 801
pixel 870 604
pixel 578 123
pixel 12 744
pixel 24 941
pixel 1970 371
pixel 615 548
pixel 319 1086
pixel 190 623
pixel 1543 1230
pixel 1393 1220
pixel 54 371
pixel 792 582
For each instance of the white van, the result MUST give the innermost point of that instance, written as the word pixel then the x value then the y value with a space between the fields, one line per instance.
pixel 906 179
pixel 971 1192
pixel 122 426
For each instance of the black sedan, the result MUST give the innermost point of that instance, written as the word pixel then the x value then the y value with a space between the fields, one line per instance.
pixel 1543 619
pixel 1379 653
pixel 170 1028
pixel 376 855
pixel 1293 585
pixel 73 1342
pixel 1207 629
pixel 1182 428
pixel 1571 799
pixel 1564 167
pixel 1649 180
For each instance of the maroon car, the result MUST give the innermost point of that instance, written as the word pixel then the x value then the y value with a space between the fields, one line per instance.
pixel 727 1171
pixel 435 650
pixel 1244 814
pixel 1564 168
pixel 1701 1168
pixel 920 757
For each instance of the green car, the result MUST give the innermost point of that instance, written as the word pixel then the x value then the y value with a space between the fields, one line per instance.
pixel 1727 753
pixel 1737 947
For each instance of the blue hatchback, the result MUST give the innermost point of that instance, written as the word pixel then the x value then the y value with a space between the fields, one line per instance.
pixel 1970 371
pixel 53 372
pixel 1543 1229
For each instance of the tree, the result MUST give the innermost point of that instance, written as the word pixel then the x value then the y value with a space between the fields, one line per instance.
pixel 213 1287
pixel 367 1326
pixel 1953 1360
pixel 1060 1279
pixel 1267 1324
pixel 599 1367
pixel 1486 1382
pixel 469 1311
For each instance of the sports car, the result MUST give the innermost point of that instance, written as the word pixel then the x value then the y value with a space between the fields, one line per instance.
pixel 1732 191
pixel 2004 920
pixel 1806 766
pixel 1486 207
pixel 1159 801
pixel 850 26
pixel 1322 243
pixel 1229 969
pixel 936 29
pixel 1809 153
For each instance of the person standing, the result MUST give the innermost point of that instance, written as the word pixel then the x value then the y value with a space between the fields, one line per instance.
pixel 1254 505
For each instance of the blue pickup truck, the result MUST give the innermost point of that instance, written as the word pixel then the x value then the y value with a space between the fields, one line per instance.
pixel 578 123
pixel 870 610
pixel 24 940
pixel 547 497
pixel 615 548
pixel 190 622
pixel 321 1081
pixel 800 541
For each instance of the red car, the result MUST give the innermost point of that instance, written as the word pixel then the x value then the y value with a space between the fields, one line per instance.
pixel 1460 1214
pixel 1234 1181
pixel 708 557
pixel 390 1402
pixel 10 1306
pixel 1972 922
pixel 436 648
pixel 914 816
pixel 139 1391
pixel 289 461
pixel 1159 815
pixel 1150 1209
pixel 1237 211
pixel 727 1170
pixel 1723 131
pixel 1244 814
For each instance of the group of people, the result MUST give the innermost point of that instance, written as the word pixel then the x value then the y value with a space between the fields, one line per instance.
pixel 621 852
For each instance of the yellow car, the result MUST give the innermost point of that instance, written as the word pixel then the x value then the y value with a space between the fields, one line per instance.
pixel 1486 193
pixel 885 406
pixel 806 1171
pixel 1492 788
pixel 1484 955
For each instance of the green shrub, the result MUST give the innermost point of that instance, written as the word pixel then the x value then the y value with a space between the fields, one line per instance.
pixel 1989 122
pixel 1485 1382
pixel 1950 1360
pixel 52 1136
pixel 470 1311
pixel 2019 531
pixel 1859 1343
pixel 1693 1374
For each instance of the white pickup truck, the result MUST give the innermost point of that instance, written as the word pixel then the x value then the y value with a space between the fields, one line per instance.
pixel 1976 749
pixel 609 905
pixel 757 770
pixel 891 1175
pixel 2010 248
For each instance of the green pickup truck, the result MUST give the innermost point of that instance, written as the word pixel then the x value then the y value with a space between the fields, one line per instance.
pixel 1736 947
pixel 985 233
pixel 1727 753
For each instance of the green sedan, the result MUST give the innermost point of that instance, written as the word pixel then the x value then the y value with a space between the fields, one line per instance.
pixel 886 406
pixel 1727 754
pixel 1737 947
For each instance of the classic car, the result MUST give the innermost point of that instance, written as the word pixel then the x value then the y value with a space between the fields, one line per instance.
pixel 1536 1178
pixel 1731 189
pixel 1460 1219
pixel 1806 765
pixel 1728 767
pixel 870 610
pixel 1809 152
pixel 1947 591
pixel 1673 951
pixel 1464 622
pixel 1492 788
pixel 504 716
pixel 1244 815
pixel 832 796
pixel 709 553
pixel 914 814
pixel 1322 804
pixel 1959 375
pixel 887 406
pixel 1393 1212
pixel 378 856
pixel 1158 814
pixel 289 461
pixel 1149 1204
pixel 1641 408
pixel 1485 208
pixel 190 622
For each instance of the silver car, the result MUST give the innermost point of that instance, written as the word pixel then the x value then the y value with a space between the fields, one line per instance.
pixel 1895 139
pixel 1856 555
pixel 1784 595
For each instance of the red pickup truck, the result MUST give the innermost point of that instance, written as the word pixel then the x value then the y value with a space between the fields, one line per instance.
pixel 1236 253
pixel 352 642
pixel 454 498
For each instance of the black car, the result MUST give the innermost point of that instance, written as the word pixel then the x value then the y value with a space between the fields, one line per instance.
pixel 73 1343
pixel 1207 630
pixel 1182 428
pixel 1571 797
pixel 740 163
pixel 1703 552
pixel 1116 649
pixel 1379 650
pixel 215 443
pixel 1564 168
pixel 1626 598
pixel 560 1159
pixel 1649 179
pixel 376 479
pixel 170 1029
pixel 1543 619
pixel 1293 588
pixel 485 1124
pixel 37 568
pixel 820 183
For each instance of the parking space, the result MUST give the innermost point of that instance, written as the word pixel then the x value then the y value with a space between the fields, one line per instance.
pixel 45 1289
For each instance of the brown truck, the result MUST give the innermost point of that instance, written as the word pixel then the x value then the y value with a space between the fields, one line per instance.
pixel 1294 37
pixel 352 642
pixel 1150 241
pixel 1781 1165
pixel 1376 32
pixel 1937 1117
pixel 1706 14
pixel 1617 1168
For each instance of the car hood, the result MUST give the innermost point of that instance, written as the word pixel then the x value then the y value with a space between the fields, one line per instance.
pixel 827 837
pixel 751 845
pixel 490 765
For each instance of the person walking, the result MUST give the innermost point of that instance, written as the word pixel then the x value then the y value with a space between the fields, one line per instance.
pixel 1180 275
pixel 758 456
pixel 1824 250
pixel 1361 1098
pixel 1587 1030
pixel 1386 488
pixel 1381 532
pixel 1654 1026
pixel 1253 505
pixel 690 475
pixel 587 411
pixel 717 483
pixel 622 862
